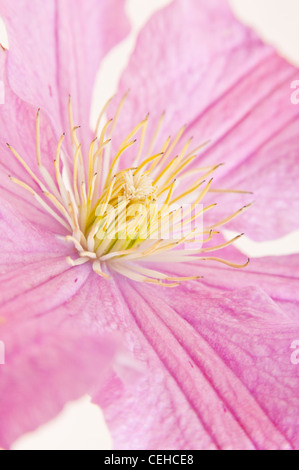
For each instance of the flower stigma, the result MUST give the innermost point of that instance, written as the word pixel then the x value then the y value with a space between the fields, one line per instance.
pixel 120 217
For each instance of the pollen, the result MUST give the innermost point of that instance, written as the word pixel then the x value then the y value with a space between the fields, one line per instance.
pixel 138 187
pixel 120 219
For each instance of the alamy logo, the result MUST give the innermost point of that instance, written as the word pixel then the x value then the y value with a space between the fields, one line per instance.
pixel 295 94
pixel 2 353
pixel 151 221
pixel 295 354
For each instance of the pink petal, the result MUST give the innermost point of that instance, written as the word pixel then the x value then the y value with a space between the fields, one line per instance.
pixel 52 321
pixel 277 275
pixel 57 51
pixel 51 355
pixel 47 363
pixel 17 128
pixel 208 70
pixel 52 326
pixel 219 376
pixel 23 242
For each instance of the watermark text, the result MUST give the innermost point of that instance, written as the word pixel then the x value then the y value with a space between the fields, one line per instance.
pixel 295 94
pixel 295 354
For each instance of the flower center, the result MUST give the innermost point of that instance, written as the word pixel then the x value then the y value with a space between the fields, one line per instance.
pixel 137 187
pixel 121 215
pixel 152 211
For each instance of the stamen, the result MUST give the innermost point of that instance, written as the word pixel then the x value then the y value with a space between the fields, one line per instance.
pixel 227 263
pixel 77 262
pixel 40 201
pixel 175 141
pixel 27 168
pixel 98 269
pixel 118 112
pixel 78 246
pixel 235 191
pixel 75 178
pixel 218 247
pixel 101 116
pixel 231 217
pixel 59 179
pixel 156 134
pixel 117 157
pixel 116 219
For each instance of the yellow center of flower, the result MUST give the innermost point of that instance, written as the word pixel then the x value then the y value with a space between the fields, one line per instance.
pixel 151 211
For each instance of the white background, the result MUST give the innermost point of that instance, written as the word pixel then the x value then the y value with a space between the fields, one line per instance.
pixel 80 425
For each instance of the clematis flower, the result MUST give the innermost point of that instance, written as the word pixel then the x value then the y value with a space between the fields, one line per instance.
pixel 210 345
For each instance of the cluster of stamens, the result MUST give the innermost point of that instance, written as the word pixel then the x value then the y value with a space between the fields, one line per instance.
pixel 117 218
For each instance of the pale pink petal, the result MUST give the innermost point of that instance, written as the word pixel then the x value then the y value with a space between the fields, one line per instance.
pixel 219 372
pixel 207 70
pixel 56 49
